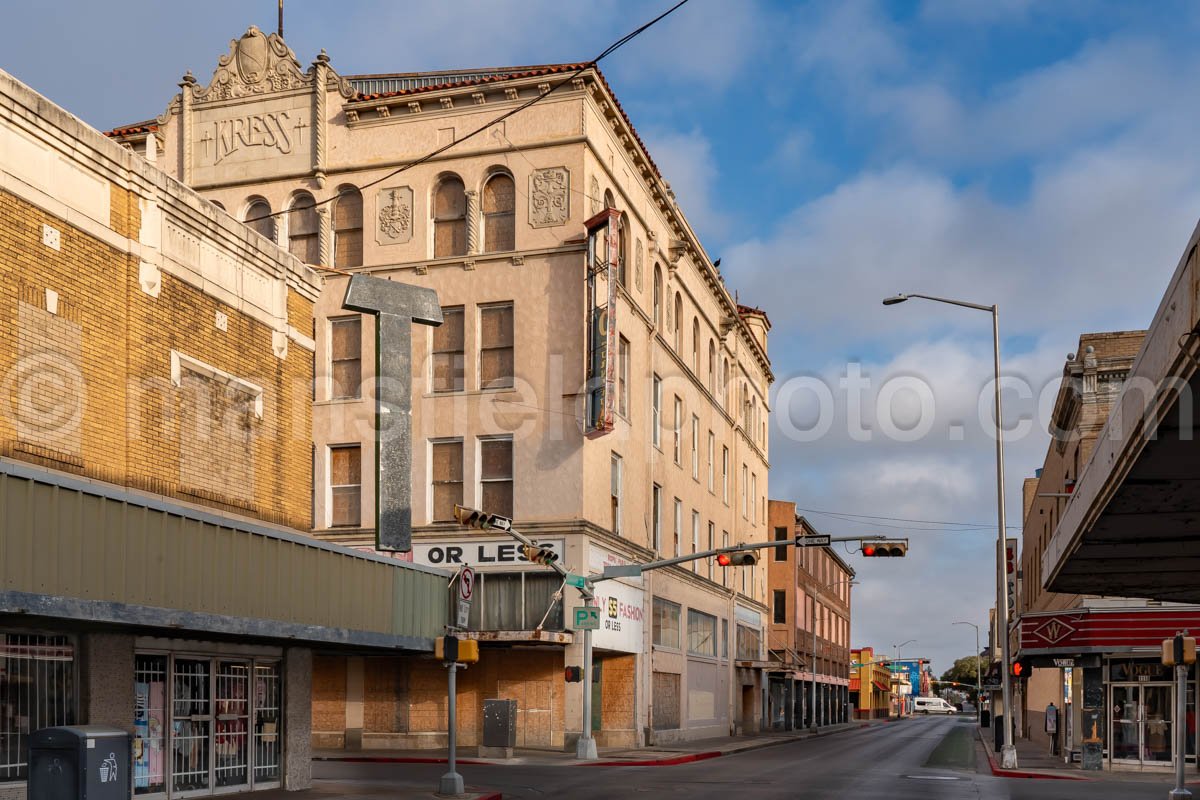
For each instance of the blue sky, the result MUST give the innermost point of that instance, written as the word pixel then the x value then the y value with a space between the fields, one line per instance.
pixel 1036 155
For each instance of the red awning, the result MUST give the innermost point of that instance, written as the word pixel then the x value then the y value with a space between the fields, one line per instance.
pixel 881 687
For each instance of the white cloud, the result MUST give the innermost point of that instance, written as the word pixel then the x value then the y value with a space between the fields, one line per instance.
pixel 686 161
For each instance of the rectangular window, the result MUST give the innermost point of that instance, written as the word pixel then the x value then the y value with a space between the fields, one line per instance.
pixel 712 536
pixel 623 377
pixel 678 525
pixel 446 478
pixel 37 690
pixel 712 467
pixel 779 604
pixel 678 431
pixel 615 488
pixel 754 496
pixel 702 634
pixel 695 536
pixel 496 476
pixel 666 623
pixel 656 412
pixel 656 518
pixel 695 447
pixel 781 535
pixel 345 356
pixel 345 484
pixel 742 487
pixel 725 474
pixel 496 346
pixel 448 358
pixel 747 643
pixel 724 638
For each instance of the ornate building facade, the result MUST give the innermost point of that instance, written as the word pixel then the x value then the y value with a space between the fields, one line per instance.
pixel 594 379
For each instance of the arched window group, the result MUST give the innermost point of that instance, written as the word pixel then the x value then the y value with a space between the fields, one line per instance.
pixel 302 226
pixel 455 235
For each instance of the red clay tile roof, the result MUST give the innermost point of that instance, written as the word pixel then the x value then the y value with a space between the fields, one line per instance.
pixel 141 127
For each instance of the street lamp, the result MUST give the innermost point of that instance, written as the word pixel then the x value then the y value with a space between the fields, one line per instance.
pixel 899 699
pixel 978 673
pixel 898 646
pixel 1008 757
pixel 812 614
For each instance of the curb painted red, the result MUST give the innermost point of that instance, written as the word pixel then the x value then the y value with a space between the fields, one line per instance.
pixel 1014 773
pixel 657 762
pixel 400 760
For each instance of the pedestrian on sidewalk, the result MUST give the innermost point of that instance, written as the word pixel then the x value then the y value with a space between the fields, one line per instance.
pixel 1052 727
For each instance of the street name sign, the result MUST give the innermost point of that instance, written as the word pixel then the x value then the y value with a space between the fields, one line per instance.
pixel 578 581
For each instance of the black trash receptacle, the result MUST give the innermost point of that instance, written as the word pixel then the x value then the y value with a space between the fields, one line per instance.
pixel 999 726
pixel 80 762
pixel 985 718
pixel 500 723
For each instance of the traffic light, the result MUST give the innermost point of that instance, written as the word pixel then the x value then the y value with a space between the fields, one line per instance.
pixel 573 674
pixel 885 549
pixel 1021 668
pixel 1179 650
pixel 474 518
pixel 737 559
pixel 539 555
pixel 453 649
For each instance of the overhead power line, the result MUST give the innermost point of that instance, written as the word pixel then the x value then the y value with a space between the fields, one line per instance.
pixel 608 51
pixel 863 519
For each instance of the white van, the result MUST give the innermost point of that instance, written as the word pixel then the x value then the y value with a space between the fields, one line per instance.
pixel 933 705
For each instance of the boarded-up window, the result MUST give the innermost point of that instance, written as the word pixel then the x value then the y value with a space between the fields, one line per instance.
pixel 448 356
pixel 496 346
pixel 345 348
pixel 496 476
pixel 449 218
pixel 348 228
pixel 259 219
pixel 217 428
pixel 623 377
pixel 666 701
pixel 302 229
pixel 447 479
pixel 702 633
pixel 666 623
pixel 658 296
pixel 499 203
pixel 345 483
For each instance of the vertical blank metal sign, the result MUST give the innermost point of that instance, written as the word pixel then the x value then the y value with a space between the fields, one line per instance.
pixel 396 306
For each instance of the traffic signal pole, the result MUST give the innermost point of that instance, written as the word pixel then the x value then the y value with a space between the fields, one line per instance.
pixel 585 747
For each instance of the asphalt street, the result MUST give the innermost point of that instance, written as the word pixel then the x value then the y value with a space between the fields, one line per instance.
pixel 919 759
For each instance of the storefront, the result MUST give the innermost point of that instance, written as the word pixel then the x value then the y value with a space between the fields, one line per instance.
pixel 1141 702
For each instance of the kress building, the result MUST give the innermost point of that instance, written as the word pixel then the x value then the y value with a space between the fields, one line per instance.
pixel 594 379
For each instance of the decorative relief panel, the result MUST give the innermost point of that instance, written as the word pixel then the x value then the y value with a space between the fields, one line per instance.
pixel 594 195
pixel 259 63
pixel 549 197
pixel 637 268
pixel 395 215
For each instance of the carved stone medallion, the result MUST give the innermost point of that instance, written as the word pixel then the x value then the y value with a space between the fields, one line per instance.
pixel 549 197
pixel 395 215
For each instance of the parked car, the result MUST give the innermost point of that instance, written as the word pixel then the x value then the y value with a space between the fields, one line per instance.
pixel 933 705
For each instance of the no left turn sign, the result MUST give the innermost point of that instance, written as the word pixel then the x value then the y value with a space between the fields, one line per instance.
pixel 466 583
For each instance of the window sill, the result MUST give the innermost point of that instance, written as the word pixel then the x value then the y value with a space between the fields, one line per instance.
pixel 338 401
pixel 471 392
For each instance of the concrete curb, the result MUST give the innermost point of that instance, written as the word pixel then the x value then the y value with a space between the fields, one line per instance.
pixel 669 761
pixel 1016 773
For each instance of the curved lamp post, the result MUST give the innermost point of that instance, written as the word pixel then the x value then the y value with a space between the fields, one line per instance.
pixel 1008 756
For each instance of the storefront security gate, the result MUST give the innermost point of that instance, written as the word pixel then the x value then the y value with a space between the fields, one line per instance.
pixel 205 725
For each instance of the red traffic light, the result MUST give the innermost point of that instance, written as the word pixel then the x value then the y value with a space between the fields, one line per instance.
pixel 737 559
pixel 894 548
pixel 868 549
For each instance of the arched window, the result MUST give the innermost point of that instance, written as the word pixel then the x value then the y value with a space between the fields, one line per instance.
pixel 678 322
pixel 724 387
pixel 609 202
pixel 258 218
pixel 348 228
pixel 218 204
pixel 712 367
pixel 302 229
pixel 696 346
pixel 449 218
pixel 499 214
pixel 658 296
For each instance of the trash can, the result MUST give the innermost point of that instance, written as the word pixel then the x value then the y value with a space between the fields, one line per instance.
pixel 985 717
pixel 80 762
pixel 999 732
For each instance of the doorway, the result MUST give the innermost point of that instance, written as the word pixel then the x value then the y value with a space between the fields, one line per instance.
pixel 1141 727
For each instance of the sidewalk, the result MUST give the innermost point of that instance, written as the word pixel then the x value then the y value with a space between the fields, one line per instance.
pixel 1034 762
pixel 658 756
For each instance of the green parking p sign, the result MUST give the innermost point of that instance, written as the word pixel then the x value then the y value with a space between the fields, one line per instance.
pixel 586 618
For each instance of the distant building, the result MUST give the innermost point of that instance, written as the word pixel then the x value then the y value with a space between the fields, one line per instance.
pixel 809 638
pixel 594 379
pixel 156 572
pixel 870 685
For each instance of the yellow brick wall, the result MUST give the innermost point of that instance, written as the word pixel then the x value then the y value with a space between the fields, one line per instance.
pixel 87 389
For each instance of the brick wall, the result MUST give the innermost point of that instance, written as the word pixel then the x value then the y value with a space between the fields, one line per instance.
pixel 85 374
